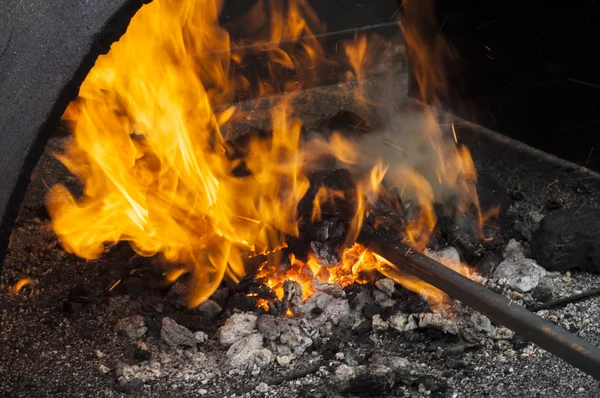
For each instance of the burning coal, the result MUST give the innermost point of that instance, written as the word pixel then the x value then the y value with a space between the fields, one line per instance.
pixel 158 172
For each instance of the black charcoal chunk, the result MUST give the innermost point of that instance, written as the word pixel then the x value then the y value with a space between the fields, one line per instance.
pixel 83 294
pixel 568 238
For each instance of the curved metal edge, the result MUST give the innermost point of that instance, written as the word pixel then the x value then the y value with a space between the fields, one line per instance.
pixel 110 32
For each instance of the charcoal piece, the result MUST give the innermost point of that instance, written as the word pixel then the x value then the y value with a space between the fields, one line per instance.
pixel 555 203
pixel 292 297
pixel 413 303
pixel 153 305
pixel 176 335
pixel 324 252
pixel 130 387
pixel 71 307
pixel 389 214
pixel 249 284
pixel 82 294
pixel 519 342
pixel 370 310
pixel 329 229
pixel 454 363
pixel 133 327
pixel 568 238
pixel 363 328
pixel 488 264
pixel 311 392
pixel 240 146
pixel 543 292
pixel 244 303
pixel 131 286
pixel 141 354
pixel 347 122
pixel 368 385
pixel 178 294
pixel 430 383
pixel 153 324
pixel 154 279
pixel 343 207
pixel 516 195
pixel 137 262
pixel 208 310
pixel 463 231
pixel 221 296
pixel 522 230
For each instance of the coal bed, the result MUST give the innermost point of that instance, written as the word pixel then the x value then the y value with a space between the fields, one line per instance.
pixel 113 327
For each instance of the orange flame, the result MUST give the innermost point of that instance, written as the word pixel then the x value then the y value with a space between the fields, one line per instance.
pixel 148 148
pixel 21 283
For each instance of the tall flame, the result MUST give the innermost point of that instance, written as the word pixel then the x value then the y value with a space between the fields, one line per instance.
pixel 148 148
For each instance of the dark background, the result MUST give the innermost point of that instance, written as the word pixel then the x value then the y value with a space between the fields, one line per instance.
pixel 527 70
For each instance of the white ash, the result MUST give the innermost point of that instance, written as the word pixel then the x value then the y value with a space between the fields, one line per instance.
pixel 338 311
pixel 386 285
pixel 382 370
pixel 249 352
pixel 237 327
pixel 501 333
pixel 328 288
pixel 175 334
pixel 383 299
pixel 448 256
pixel 174 365
pixel 344 373
pixel 518 272
pixel 200 337
pixel 404 322
pixel 288 338
pixel 437 321
pixel 317 303
pixel 133 327
pixel 292 297
pixel 379 324
pixel 481 323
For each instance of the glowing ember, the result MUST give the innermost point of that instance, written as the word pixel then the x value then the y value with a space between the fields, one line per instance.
pixel 148 148
pixel 21 283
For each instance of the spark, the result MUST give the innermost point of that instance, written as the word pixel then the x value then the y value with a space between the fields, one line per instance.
pixel 489 56
pixel 588 158
pixel 583 82
pixel 110 289
pixel 361 120
pixel 552 183
pixel 454 132
pixel 488 23
pixel 443 24
pixel 402 192
pixel 487 48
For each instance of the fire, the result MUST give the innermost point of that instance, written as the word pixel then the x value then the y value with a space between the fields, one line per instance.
pixel 157 171
pixel 20 284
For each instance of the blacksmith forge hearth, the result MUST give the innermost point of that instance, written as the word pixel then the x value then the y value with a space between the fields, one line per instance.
pixel 47 50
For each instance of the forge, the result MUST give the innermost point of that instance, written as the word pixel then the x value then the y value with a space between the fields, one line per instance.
pixel 239 202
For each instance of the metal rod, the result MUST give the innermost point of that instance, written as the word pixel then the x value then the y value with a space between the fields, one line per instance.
pixel 545 334
pixel 565 300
